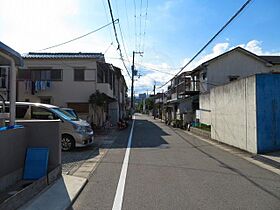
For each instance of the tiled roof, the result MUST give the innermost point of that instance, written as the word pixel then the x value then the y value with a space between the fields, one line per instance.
pixel 271 59
pixel 63 55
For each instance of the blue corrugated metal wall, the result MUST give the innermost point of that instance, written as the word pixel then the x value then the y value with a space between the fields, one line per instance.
pixel 268 112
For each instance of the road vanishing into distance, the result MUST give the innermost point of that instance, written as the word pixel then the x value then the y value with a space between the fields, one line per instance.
pixel 153 166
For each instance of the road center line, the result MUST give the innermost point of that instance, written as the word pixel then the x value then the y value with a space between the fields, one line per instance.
pixel 120 189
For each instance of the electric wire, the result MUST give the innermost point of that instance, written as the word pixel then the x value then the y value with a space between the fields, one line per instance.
pixel 79 37
pixel 116 36
pixel 127 58
pixel 140 26
pixel 135 20
pixel 211 40
pixel 145 25
pixel 106 15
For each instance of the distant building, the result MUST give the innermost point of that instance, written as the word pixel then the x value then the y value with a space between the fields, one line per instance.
pixel 142 95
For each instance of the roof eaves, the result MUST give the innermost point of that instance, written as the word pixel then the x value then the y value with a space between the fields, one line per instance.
pixel 11 53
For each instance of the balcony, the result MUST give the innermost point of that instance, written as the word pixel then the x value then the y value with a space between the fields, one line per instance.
pixel 106 89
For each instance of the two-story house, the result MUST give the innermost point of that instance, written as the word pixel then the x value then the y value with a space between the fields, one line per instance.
pixel 67 80
pixel 227 67
pixel 182 98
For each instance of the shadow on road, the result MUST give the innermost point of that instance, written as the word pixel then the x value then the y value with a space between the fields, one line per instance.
pixel 224 165
pixel 146 134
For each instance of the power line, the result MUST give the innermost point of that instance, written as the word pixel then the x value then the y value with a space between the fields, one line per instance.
pixel 140 25
pixel 116 36
pixel 124 44
pixel 135 20
pixel 79 37
pixel 224 26
pixel 145 25
pixel 150 68
pixel 107 19
pixel 108 48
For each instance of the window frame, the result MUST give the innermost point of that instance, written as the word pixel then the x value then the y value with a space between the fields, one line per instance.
pixel 79 70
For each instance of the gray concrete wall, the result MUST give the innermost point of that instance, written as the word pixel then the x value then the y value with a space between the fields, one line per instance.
pixel 13 145
pixel 205 109
pixel 233 114
pixel 49 136
pixel 12 154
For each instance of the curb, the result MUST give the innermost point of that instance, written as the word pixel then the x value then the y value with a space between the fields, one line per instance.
pixel 268 161
pixel 28 193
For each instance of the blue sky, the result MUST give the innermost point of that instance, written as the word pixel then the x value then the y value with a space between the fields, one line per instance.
pixel 174 30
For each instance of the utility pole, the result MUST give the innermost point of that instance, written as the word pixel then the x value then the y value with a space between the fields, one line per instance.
pixel 132 79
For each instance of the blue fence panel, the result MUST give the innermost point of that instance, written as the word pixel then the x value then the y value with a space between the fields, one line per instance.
pixel 36 163
pixel 268 112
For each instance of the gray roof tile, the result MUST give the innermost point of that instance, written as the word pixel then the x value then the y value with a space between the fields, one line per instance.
pixel 34 55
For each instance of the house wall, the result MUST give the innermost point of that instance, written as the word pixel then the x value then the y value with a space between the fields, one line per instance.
pixel 235 63
pixel 66 90
pixel 205 108
pixel 268 112
pixel 233 114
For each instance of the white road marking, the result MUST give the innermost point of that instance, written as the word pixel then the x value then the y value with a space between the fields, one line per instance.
pixel 121 185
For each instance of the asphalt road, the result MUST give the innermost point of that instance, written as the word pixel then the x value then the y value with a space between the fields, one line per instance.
pixel 169 169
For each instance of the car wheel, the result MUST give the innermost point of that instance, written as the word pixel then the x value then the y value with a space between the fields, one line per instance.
pixel 67 143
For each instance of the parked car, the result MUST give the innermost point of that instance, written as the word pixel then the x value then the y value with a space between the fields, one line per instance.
pixel 74 132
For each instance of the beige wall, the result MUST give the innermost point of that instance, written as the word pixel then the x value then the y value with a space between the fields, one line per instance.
pixel 66 90
pixel 205 108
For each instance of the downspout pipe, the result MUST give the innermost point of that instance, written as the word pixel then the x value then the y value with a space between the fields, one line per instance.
pixel 12 84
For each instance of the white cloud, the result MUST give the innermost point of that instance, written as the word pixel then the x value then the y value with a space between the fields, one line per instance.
pixel 31 24
pixel 255 46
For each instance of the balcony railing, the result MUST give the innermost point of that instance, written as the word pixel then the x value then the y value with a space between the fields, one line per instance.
pixel 105 88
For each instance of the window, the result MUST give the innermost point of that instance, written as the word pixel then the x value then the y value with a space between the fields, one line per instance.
pixel 21 111
pixel 3 78
pixel 40 74
pixel 40 113
pixel 204 75
pixel 100 75
pixel 79 74
pixel 56 74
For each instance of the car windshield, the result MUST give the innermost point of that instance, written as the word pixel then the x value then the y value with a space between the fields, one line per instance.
pixel 65 115
pixel 72 112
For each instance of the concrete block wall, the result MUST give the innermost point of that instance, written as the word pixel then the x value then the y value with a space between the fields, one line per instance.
pixel 233 114
pixel 246 113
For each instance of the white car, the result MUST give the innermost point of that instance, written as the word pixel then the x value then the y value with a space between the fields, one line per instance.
pixel 74 132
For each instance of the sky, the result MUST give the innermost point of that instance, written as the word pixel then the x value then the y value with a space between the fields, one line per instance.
pixel 168 32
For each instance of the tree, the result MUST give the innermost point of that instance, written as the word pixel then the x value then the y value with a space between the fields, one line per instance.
pixel 98 102
pixel 149 103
